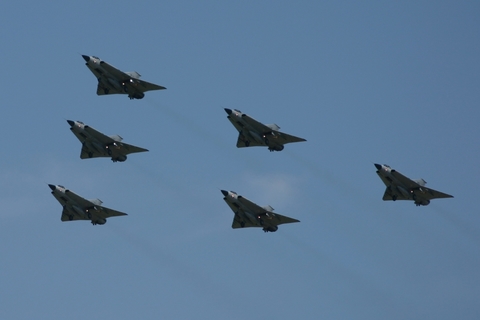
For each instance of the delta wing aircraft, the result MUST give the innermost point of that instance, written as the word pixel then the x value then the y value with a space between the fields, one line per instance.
pixel 113 81
pixel 78 208
pixel 400 187
pixel 249 214
pixel 95 144
pixel 253 133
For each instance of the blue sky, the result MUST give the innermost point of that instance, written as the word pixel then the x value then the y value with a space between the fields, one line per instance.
pixel 383 82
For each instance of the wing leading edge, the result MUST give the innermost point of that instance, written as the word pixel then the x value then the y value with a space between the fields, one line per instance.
pixel 264 129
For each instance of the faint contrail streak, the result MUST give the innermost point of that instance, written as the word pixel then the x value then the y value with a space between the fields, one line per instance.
pixel 183 272
pixel 185 121
pixel 468 230
pixel 331 179
pixel 156 176
pixel 172 186
pixel 340 271
pixel 202 134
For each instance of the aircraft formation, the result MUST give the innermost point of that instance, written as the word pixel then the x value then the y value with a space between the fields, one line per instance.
pixel 251 133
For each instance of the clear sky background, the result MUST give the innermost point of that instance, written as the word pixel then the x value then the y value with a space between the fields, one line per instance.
pixel 383 82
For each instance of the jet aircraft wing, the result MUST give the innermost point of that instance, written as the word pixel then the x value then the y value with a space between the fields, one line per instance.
pixel 66 216
pixel 278 219
pixel 131 148
pixel 150 86
pixel 237 223
pixel 101 90
pixel 434 194
pixel 85 153
pixel 82 202
pixel 386 181
pixel 120 75
pixel 287 138
pixel 63 201
pixel 237 124
pixel 388 195
pixel 98 135
pixel 106 140
pixel 241 143
pixel 274 218
pixel 428 192
pixel 407 182
pixel 102 87
pixel 94 133
pixel 101 212
pixel 253 207
pixel 263 129
pixel 105 212
pixel 423 192
pixel 257 126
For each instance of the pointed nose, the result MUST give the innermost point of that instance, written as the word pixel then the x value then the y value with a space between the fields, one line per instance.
pixel 86 58
pixel 225 193
pixel 229 111
pixel 71 123
pixel 52 187
pixel 378 166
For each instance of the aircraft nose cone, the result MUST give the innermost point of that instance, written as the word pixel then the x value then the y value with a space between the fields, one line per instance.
pixel 52 187
pixel 378 166
pixel 71 123
pixel 86 58
pixel 229 111
pixel 225 193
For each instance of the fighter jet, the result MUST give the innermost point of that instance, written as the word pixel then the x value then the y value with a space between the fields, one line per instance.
pixel 254 133
pixel 400 187
pixel 249 214
pixel 78 208
pixel 96 144
pixel 111 80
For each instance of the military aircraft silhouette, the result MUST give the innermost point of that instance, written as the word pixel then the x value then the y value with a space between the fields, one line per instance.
pixel 400 187
pixel 78 208
pixel 95 144
pixel 113 81
pixel 249 214
pixel 253 133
